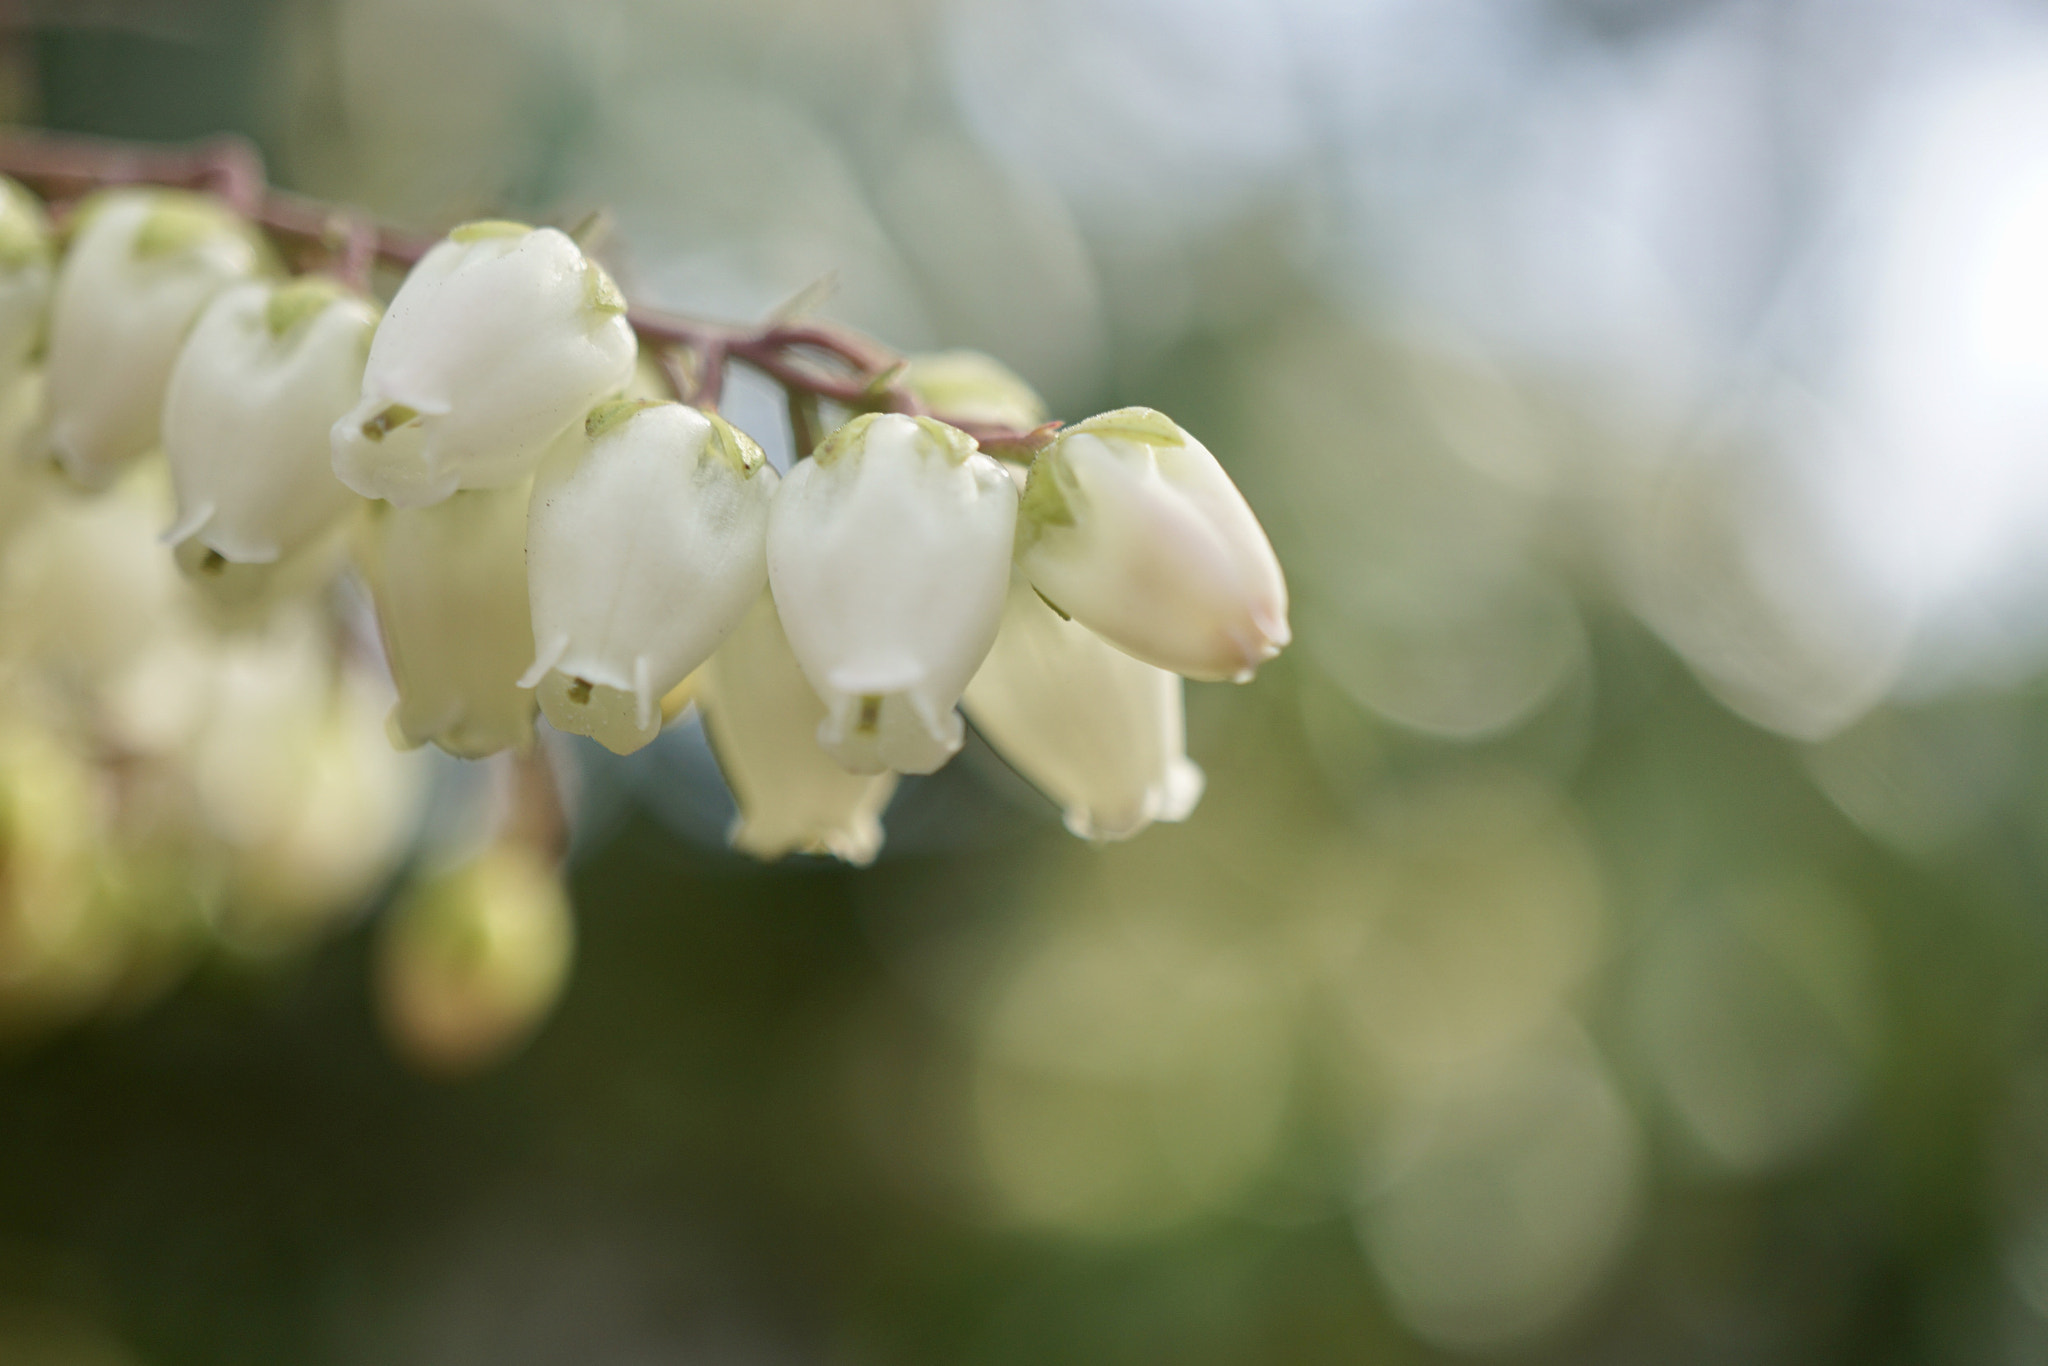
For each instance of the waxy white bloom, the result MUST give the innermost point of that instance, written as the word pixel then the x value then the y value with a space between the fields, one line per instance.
pixel 450 586
pixel 141 265
pixel 252 398
pixel 645 545
pixel 500 340
pixel 27 273
pixel 1131 527
pixel 762 719
pixel 889 555
pixel 1099 732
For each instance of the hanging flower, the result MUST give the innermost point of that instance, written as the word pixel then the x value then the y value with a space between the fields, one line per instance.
pixel 888 552
pixel 472 958
pixel 645 546
pixel 141 265
pixel 499 341
pixel 252 397
pixel 762 719
pixel 1094 729
pixel 1131 527
pixel 450 586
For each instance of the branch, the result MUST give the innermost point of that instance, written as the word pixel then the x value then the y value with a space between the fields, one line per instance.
pixel 804 356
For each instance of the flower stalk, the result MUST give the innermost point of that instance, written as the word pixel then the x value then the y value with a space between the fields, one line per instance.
pixel 803 355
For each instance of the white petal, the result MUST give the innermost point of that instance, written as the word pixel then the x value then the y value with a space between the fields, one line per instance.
pixel 1094 729
pixel 140 268
pixel 889 558
pixel 495 345
pixel 762 719
pixel 1135 530
pixel 247 415
pixel 645 547
pixel 450 587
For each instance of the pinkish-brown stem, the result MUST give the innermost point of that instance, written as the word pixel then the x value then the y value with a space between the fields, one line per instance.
pixel 805 356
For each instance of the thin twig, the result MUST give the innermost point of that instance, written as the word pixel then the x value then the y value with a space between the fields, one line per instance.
pixel 860 373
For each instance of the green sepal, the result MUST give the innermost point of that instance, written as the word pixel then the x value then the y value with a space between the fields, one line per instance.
pixel 1146 425
pixel 736 448
pixel 300 300
pixel 486 229
pixel 599 293
pixel 957 444
pixel 613 411
pixel 1045 502
pixel 843 437
pixel 181 220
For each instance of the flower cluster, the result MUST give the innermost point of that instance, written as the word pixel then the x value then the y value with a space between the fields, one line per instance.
pixel 543 530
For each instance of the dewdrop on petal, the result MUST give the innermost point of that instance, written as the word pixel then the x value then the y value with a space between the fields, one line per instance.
pixel 470 960
pixel 645 545
pixel 1130 527
pixel 449 583
pixel 762 720
pixel 254 394
pixel 141 265
pixel 1097 731
pixel 889 554
pixel 27 275
pixel 500 340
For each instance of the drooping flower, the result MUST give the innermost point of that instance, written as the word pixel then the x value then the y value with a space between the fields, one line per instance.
pixel 450 587
pixel 1099 732
pixel 500 340
pixel 888 552
pixel 646 544
pixel 141 265
pixel 472 958
pixel 1131 527
pixel 256 389
pixel 762 719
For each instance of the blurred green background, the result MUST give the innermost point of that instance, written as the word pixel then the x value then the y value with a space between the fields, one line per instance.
pixel 1613 933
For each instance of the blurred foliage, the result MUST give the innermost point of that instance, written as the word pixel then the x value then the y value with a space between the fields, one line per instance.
pixel 1522 988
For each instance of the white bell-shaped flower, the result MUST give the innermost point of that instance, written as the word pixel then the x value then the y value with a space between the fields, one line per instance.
pixel 27 273
pixel 450 587
pixel 762 719
pixel 645 545
pixel 889 553
pixel 141 265
pixel 500 340
pixel 1099 732
pixel 1131 527
pixel 255 391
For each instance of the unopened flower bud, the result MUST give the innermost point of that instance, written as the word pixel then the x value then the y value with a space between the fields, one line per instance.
pixel 256 389
pixel 500 339
pixel 141 265
pixel 762 719
pixel 1099 732
pixel 969 386
pixel 450 587
pixel 1131 527
pixel 472 959
pixel 27 270
pixel 645 546
pixel 889 554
